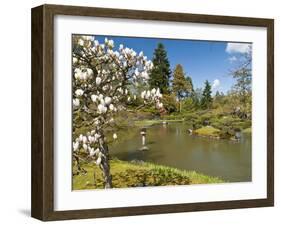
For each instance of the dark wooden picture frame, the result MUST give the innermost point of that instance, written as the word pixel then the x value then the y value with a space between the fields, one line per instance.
pixel 42 203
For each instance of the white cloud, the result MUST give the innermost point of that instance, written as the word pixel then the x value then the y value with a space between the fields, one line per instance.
pixel 232 59
pixel 237 48
pixel 216 84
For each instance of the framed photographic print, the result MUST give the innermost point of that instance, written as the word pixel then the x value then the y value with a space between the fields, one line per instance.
pixel 141 112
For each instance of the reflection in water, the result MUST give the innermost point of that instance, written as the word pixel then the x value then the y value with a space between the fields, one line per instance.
pixel 171 145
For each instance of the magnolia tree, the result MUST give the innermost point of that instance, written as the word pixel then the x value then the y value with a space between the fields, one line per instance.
pixel 102 77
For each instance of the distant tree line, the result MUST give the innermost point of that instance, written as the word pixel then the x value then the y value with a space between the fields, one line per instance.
pixel 180 95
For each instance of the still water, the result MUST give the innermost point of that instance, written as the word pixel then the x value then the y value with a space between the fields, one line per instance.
pixel 172 146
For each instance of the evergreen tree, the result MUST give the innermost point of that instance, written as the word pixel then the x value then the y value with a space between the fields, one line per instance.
pixel 189 81
pixel 160 74
pixel 217 95
pixel 181 87
pixel 206 96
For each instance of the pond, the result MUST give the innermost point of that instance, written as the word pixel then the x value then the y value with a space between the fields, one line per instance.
pixel 171 145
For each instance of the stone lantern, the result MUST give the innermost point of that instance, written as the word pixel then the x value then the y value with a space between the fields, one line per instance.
pixel 143 135
pixel 143 138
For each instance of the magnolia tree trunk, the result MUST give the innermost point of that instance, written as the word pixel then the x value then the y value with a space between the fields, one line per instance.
pixel 105 166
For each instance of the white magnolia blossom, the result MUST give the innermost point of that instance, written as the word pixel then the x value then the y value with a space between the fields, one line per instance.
pixel 97 136
pixel 89 72
pixel 75 146
pixel 159 105
pixel 102 109
pixel 153 94
pixel 148 94
pixel 143 94
pixel 85 146
pixel 91 139
pixel 84 139
pixel 76 103
pixel 85 74
pixel 92 152
pixel 94 98
pixel 137 73
pixel 98 81
pixel 107 100
pixel 79 92
pixel 74 60
pixel 158 94
pixel 103 75
pixel 96 43
pixel 98 162
pixel 81 42
pixel 145 75
pixel 111 107
pixel 100 97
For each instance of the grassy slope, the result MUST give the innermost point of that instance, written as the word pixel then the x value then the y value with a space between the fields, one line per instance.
pixel 128 174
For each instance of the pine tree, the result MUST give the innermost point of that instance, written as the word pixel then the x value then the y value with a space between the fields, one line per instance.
pixel 206 96
pixel 217 95
pixel 189 81
pixel 160 74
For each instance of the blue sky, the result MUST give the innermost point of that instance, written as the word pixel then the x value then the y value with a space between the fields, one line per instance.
pixel 202 60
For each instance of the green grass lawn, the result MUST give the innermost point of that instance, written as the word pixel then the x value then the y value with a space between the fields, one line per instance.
pixel 138 174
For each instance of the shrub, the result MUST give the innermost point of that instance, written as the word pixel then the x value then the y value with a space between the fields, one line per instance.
pixel 187 104
pixel 169 101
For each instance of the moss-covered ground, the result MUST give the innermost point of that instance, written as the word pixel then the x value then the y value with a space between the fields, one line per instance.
pixel 138 174
pixel 208 131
